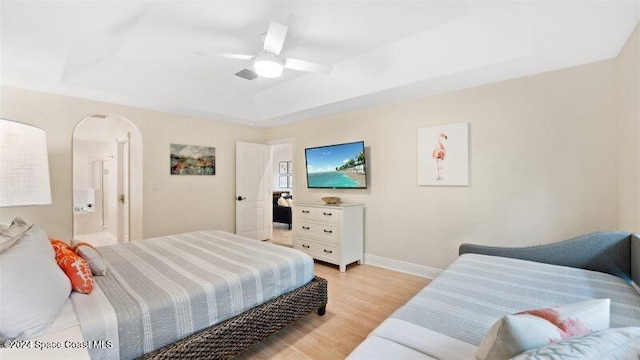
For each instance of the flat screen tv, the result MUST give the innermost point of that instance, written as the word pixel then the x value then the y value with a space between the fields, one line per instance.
pixel 340 166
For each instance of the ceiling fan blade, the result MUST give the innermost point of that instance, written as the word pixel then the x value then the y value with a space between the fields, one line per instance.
pixel 275 38
pixel 308 66
pixel 235 56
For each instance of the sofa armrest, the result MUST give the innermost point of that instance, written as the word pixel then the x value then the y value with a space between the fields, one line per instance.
pixel 608 252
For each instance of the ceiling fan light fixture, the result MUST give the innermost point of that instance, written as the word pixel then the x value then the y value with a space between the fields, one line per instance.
pixel 268 65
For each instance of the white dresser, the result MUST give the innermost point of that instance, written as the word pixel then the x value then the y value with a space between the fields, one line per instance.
pixel 331 233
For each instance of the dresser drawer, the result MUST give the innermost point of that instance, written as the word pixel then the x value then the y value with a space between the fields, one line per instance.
pixel 325 232
pixel 304 212
pixel 327 215
pixel 328 253
pixel 308 247
pixel 325 252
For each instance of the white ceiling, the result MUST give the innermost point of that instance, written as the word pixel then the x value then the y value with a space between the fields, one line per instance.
pixel 161 54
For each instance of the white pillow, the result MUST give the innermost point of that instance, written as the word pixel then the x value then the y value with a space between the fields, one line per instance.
pixel 96 262
pixel 34 288
pixel 283 202
pixel 617 343
pixel 10 235
pixel 530 329
pixel 290 202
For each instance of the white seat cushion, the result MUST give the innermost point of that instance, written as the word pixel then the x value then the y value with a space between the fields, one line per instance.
pixel 378 348
pixel 399 339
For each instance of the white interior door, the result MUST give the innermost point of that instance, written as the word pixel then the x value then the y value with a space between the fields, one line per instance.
pixel 253 198
pixel 123 189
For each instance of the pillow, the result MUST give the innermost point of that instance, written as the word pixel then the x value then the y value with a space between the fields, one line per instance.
pixel 618 343
pixel 290 202
pixel 92 256
pixel 283 202
pixel 514 334
pixel 77 270
pixel 34 288
pixel 10 235
pixel 58 246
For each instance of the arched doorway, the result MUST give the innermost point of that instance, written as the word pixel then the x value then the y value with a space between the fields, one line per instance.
pixel 107 180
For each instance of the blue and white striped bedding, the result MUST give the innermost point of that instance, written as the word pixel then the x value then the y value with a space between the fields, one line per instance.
pixel 167 288
pixel 477 290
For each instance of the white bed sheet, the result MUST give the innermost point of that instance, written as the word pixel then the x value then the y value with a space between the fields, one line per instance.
pixel 66 318
pixel 64 328
pixel 98 322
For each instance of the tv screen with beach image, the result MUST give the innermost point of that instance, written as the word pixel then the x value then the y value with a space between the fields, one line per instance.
pixel 336 166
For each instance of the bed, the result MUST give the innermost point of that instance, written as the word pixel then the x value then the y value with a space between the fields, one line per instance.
pixel 200 294
pixel 204 294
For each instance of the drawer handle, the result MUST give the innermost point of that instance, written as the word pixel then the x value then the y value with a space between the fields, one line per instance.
pixel 305 211
pixel 326 214
pixel 328 251
pixel 306 228
pixel 305 246
pixel 328 232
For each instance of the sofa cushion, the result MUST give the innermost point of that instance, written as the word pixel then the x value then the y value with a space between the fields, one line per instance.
pixel 530 329
pixel 618 343
pixel 380 348
pixel 426 341
pixel 475 291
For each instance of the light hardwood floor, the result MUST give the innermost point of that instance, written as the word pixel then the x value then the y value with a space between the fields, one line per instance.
pixel 359 300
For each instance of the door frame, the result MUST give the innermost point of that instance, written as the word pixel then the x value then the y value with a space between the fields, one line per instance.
pixel 291 141
pixel 136 226
pixel 124 187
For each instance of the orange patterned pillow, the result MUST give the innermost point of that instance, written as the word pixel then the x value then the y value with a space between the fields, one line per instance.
pixel 77 270
pixel 58 246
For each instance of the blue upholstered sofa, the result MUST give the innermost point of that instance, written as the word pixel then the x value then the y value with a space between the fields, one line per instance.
pixel 449 318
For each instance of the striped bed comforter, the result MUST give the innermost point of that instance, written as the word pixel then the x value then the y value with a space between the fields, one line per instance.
pixel 477 290
pixel 167 288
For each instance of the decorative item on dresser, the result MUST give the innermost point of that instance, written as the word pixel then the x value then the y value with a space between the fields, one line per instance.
pixel 331 233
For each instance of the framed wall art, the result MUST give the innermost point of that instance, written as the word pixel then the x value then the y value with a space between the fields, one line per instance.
pixel 192 160
pixel 443 155
pixel 283 183
pixel 283 167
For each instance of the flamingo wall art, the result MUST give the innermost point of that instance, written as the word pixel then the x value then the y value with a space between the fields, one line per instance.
pixel 443 155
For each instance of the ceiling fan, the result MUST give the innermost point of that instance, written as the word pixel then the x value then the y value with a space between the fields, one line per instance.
pixel 268 63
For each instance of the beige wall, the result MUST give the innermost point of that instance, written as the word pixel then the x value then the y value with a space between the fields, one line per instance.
pixel 281 152
pixel 628 154
pixel 541 165
pixel 181 203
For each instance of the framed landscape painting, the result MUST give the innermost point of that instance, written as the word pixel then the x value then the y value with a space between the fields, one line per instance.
pixel 192 160
pixel 443 155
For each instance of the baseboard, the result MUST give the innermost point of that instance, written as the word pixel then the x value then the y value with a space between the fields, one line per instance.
pixel 402 266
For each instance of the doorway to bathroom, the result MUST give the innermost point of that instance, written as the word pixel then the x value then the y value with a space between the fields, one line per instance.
pixel 107 180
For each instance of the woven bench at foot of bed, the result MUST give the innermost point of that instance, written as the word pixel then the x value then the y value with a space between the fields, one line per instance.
pixel 229 338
